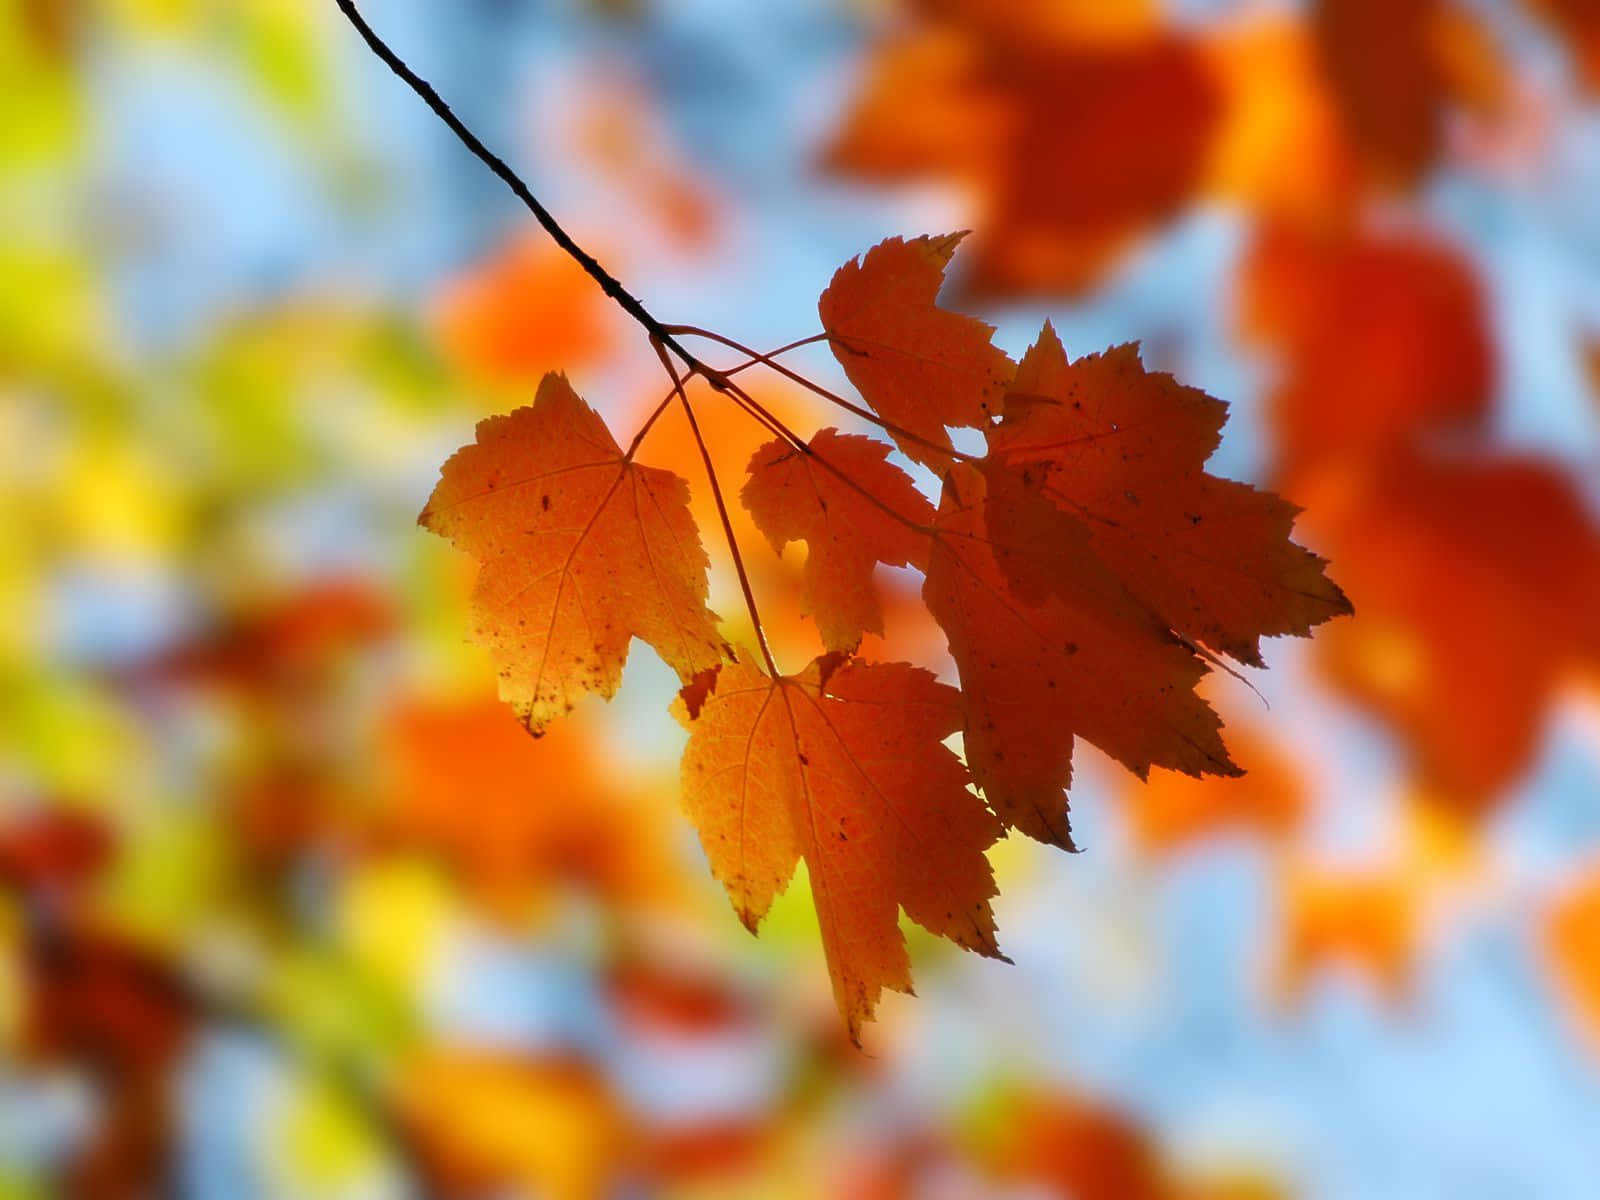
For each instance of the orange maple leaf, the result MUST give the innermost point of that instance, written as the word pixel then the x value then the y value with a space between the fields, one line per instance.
pixel 919 366
pixel 1123 450
pixel 853 508
pixel 842 766
pixel 581 550
pixel 1084 566
pixel 1034 675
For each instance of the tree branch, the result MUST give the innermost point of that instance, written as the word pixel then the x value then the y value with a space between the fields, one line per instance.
pixel 608 282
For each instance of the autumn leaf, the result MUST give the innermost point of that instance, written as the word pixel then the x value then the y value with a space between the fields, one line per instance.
pixel 1074 1146
pixel 1280 151
pixel 1143 114
pixel 919 366
pixel 580 548
pixel 842 766
pixel 96 1000
pixel 853 508
pixel 54 852
pixel 1376 57
pixel 275 644
pixel 1036 675
pixel 1083 568
pixel 1123 450
pixel 1395 68
pixel 925 108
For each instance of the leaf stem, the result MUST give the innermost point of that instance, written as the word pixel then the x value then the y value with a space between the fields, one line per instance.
pixel 804 446
pixel 769 361
pixel 766 419
pixel 722 508
pixel 649 422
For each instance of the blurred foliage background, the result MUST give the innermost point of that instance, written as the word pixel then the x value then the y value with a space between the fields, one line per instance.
pixel 290 906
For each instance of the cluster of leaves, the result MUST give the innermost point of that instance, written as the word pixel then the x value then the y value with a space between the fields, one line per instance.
pixel 1085 569
pixel 1322 129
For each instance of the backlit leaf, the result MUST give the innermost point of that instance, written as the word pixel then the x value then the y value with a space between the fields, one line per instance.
pixel 841 765
pixel 580 551
pixel 852 508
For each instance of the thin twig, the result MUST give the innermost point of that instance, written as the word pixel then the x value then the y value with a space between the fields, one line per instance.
pixel 608 282
pixel 765 419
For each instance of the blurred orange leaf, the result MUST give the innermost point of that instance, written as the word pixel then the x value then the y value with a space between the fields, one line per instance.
pixel 522 311
pixel 52 852
pixel 121 1011
pixel 518 817
pixel 1367 920
pixel 1171 810
pixel 1571 942
pixel 1281 151
pixel 1465 681
pixel 1394 67
pixel 277 643
pixel 1074 1147
pixel 1076 135
pixel 1382 338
